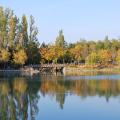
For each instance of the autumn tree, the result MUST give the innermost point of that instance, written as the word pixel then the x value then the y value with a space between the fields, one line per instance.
pixel 52 53
pixel 76 52
pixel 4 55
pixel 20 57
pixel 16 34
pixel 58 53
pixel 43 52
pixel 85 48
pixel 118 56
pixel 105 56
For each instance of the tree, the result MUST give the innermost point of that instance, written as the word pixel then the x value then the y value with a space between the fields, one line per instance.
pixel 107 43
pixel 33 53
pixel 43 53
pixel 4 55
pixel 33 44
pixel 92 46
pixel 76 52
pixel 67 56
pixel 19 36
pixel 15 35
pixel 58 53
pixel 12 31
pixel 85 48
pixel 60 41
pixel 33 31
pixel 93 58
pixel 24 35
pixel 115 44
pixel 52 53
pixel 105 56
pixel 99 45
pixel 118 56
pixel 3 26
pixel 20 57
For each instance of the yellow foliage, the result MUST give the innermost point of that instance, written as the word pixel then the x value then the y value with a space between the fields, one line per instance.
pixel 105 55
pixel 118 56
pixel 20 57
pixel 51 53
pixel 4 55
pixel 76 52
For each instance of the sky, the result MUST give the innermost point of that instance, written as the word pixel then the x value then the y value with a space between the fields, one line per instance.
pixel 88 19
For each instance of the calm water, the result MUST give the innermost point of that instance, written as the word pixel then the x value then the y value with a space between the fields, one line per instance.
pixel 50 97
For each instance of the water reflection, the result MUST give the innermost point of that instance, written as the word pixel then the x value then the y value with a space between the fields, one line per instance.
pixel 18 99
pixel 19 96
pixel 82 88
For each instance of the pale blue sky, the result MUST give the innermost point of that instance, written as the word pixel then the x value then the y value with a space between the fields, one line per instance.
pixel 90 19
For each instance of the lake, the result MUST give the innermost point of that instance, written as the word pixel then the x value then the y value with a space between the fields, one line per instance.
pixel 59 97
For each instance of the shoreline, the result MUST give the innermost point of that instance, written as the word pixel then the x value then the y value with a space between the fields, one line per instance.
pixel 22 72
pixel 76 70
pixel 89 71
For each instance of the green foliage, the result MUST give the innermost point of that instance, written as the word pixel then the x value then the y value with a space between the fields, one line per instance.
pixel 33 53
pixel 17 35
pixel 12 31
pixel 33 44
pixel 33 31
pixel 60 41
pixel 93 58
pixel 24 31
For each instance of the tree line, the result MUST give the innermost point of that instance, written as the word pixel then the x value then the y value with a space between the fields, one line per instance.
pixel 19 45
pixel 18 40
pixel 89 52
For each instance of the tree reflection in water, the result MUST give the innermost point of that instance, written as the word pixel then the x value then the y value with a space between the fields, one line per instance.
pixel 19 96
pixel 17 99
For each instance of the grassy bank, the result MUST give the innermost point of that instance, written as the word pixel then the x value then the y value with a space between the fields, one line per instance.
pixel 82 70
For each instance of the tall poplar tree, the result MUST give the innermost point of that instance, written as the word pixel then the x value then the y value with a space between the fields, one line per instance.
pixel 33 44
pixel 60 41
pixel 12 31
pixel 24 35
